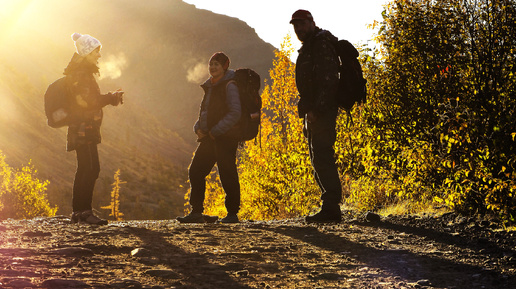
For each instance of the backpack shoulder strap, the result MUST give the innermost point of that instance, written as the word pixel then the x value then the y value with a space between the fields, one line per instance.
pixel 231 81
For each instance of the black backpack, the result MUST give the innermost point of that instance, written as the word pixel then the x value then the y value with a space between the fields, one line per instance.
pixel 352 85
pixel 248 83
pixel 57 103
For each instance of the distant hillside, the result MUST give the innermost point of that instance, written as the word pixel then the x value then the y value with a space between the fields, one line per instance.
pixel 156 51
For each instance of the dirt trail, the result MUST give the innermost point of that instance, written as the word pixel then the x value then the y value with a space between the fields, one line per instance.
pixel 399 252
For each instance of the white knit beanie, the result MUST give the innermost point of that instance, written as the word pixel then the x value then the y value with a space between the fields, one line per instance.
pixel 85 44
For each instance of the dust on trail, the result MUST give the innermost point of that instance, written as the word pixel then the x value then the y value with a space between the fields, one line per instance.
pixel 398 252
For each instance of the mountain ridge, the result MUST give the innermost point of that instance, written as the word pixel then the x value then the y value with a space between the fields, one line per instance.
pixel 157 52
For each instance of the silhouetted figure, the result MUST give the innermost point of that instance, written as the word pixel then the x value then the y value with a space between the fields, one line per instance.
pixel 84 129
pixel 317 80
pixel 218 136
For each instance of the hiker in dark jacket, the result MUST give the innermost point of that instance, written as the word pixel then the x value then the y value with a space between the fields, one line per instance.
pixel 84 131
pixel 218 135
pixel 317 80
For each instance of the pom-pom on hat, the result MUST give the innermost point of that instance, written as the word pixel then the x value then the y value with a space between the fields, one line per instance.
pixel 85 44
pixel 221 58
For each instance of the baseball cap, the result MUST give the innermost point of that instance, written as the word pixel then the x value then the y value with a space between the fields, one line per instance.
pixel 301 15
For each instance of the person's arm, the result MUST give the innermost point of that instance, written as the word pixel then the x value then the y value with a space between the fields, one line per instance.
pixel 86 93
pixel 234 112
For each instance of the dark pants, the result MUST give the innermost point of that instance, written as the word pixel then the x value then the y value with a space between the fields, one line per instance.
pixel 321 136
pixel 88 168
pixel 223 153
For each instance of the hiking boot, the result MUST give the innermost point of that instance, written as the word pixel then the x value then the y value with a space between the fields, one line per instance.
pixel 324 216
pixel 87 217
pixel 74 219
pixel 210 219
pixel 191 218
pixel 229 219
pixel 373 217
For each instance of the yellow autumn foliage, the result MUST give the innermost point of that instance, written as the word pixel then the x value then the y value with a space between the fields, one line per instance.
pixel 114 205
pixel 22 194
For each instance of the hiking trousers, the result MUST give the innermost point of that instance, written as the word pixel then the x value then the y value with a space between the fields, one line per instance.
pixel 88 169
pixel 222 152
pixel 321 136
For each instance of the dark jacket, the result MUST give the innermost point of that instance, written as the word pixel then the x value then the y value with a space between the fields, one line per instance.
pixel 87 103
pixel 220 109
pixel 317 69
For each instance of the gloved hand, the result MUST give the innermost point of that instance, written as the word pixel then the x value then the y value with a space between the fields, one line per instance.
pixel 118 97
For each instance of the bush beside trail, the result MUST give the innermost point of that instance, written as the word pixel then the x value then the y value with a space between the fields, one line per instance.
pixel 438 128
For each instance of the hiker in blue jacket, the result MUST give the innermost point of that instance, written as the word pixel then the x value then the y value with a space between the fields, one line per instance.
pixel 218 134
pixel 84 130
pixel 317 81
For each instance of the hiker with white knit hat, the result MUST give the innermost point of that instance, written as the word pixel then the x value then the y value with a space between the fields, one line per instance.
pixel 86 103
pixel 85 44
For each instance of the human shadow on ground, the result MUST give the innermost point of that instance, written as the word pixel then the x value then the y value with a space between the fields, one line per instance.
pixel 194 269
pixel 409 266
pixel 460 240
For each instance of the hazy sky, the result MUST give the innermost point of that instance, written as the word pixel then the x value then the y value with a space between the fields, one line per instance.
pixel 346 19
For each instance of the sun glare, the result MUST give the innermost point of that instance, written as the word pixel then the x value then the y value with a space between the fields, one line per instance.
pixel 7 107
pixel 12 13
